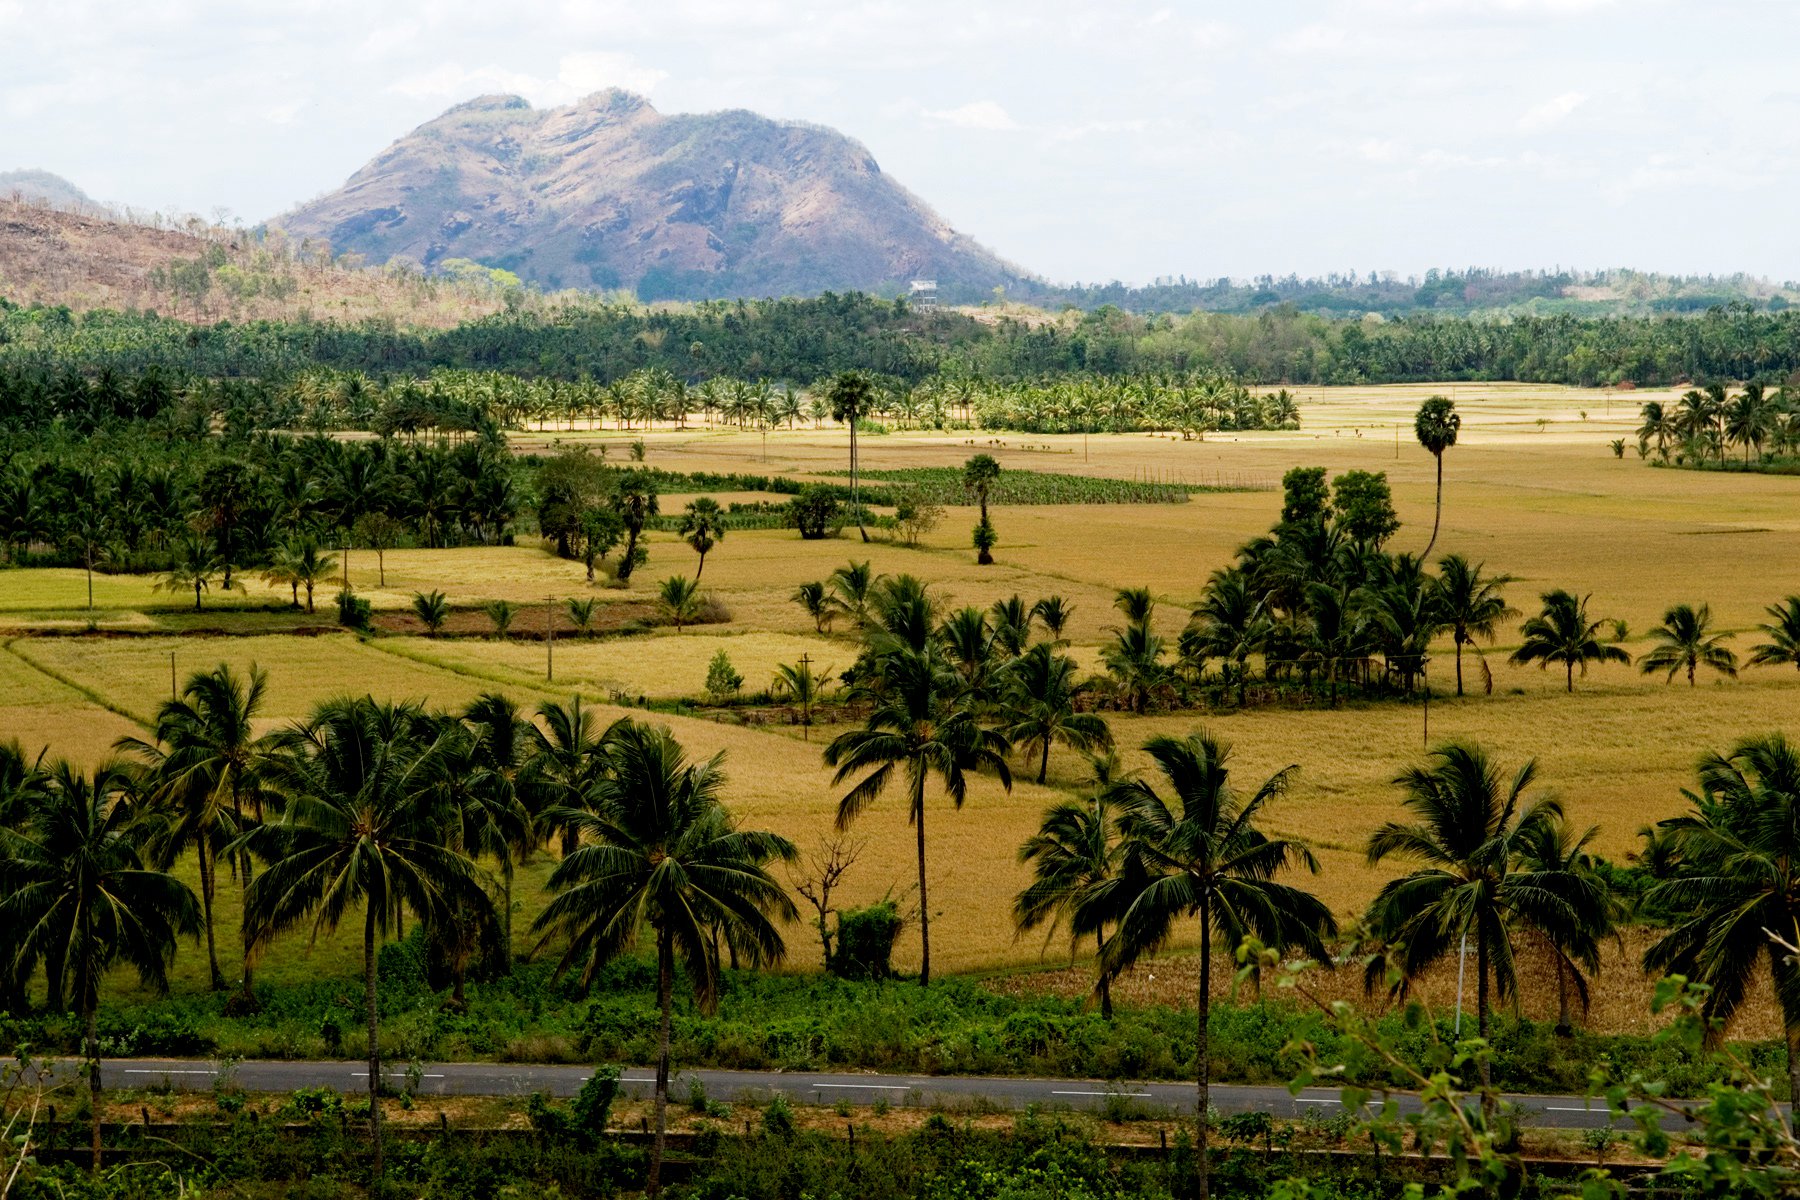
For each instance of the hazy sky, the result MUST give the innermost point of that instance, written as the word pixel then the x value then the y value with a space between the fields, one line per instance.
pixel 1085 141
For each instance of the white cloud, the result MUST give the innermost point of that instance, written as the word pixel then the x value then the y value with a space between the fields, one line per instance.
pixel 980 114
pixel 1552 111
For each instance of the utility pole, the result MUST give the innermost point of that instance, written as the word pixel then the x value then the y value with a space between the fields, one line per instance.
pixel 549 639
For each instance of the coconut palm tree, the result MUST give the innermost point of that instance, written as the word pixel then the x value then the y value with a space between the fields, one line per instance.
pixel 1470 604
pixel 300 565
pixel 850 396
pixel 917 725
pixel 1469 829
pixel 798 684
pixel 1685 640
pixel 201 769
pixel 678 599
pixel 501 613
pixel 1736 883
pixel 1075 860
pixel 817 603
pixel 1198 855
pixel 1551 849
pixel 362 825
pixel 1783 629
pixel 77 888
pixel 432 609
pixel 1054 612
pixel 663 856
pixel 703 527
pixel 581 614
pixel 1231 624
pixel 1562 633
pixel 1436 425
pixel 562 764
pixel 192 566
pixel 491 811
pixel 1012 626
pixel 1037 707
pixel 852 589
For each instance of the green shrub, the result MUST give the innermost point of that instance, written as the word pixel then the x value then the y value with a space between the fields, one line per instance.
pixel 352 610
pixel 865 941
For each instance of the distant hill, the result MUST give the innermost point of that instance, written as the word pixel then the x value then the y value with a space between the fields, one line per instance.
pixel 609 193
pixel 42 185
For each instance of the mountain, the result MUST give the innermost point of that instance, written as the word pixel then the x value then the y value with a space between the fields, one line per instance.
pixel 610 193
pixel 42 185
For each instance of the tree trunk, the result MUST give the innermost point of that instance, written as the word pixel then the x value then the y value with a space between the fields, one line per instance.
pixel 701 567
pixel 381 567
pixel 87 561
pixel 924 908
pixel 1044 762
pixel 665 985
pixel 1570 667
pixel 1459 645
pixel 1106 1008
pixel 309 596
pixel 1203 1055
pixel 1438 511
pixel 374 1014
pixel 1564 1025
pixel 571 839
pixel 506 917
pixel 248 992
pixel 855 493
pixel 91 1047
pixel 207 887
pixel 1481 1018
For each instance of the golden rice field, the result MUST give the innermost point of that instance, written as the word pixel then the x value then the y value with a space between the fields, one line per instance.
pixel 1531 489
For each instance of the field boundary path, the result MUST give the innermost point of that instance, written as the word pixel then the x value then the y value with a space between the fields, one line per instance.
pixel 901 1091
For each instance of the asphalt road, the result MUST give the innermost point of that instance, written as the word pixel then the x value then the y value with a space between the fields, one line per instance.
pixel 950 1091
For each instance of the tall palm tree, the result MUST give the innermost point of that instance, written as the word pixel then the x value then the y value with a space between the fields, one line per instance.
pixel 662 853
pixel 1472 605
pixel 1736 882
pixel 562 765
pixel 491 811
pixel 1038 707
pixel 979 474
pixel 850 396
pixel 82 900
pixel 202 767
pixel 1198 855
pixel 1553 849
pixel 917 725
pixel 1470 828
pixel 1562 633
pixel 1436 425
pixel 635 502
pixel 703 527
pixel 1231 624
pixel 361 825
pixel 1075 861
pixel 1783 630
pixel 1685 640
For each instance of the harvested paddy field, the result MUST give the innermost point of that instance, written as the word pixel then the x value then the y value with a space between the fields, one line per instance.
pixel 1531 489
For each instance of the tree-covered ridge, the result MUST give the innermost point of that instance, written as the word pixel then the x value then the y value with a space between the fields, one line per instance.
pixel 806 341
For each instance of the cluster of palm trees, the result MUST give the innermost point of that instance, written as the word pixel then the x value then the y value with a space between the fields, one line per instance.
pixel 1492 868
pixel 374 810
pixel 1708 422
pixel 268 502
pixel 946 695
pixel 460 402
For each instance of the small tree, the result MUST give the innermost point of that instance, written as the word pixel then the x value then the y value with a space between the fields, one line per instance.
pixel 635 503
pixel 815 512
pixel 432 609
pixel 501 613
pixel 380 533
pixel 817 602
pixel 596 533
pixel 1365 507
pixel 915 516
pixel 984 540
pixel 800 685
pixel 679 600
pixel 581 615
pixel 722 679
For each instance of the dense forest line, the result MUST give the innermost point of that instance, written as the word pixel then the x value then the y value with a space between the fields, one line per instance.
pixel 804 341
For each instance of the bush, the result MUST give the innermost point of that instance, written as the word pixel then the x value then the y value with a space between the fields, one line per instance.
pixel 815 512
pixel 722 679
pixel 352 610
pixel 865 941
